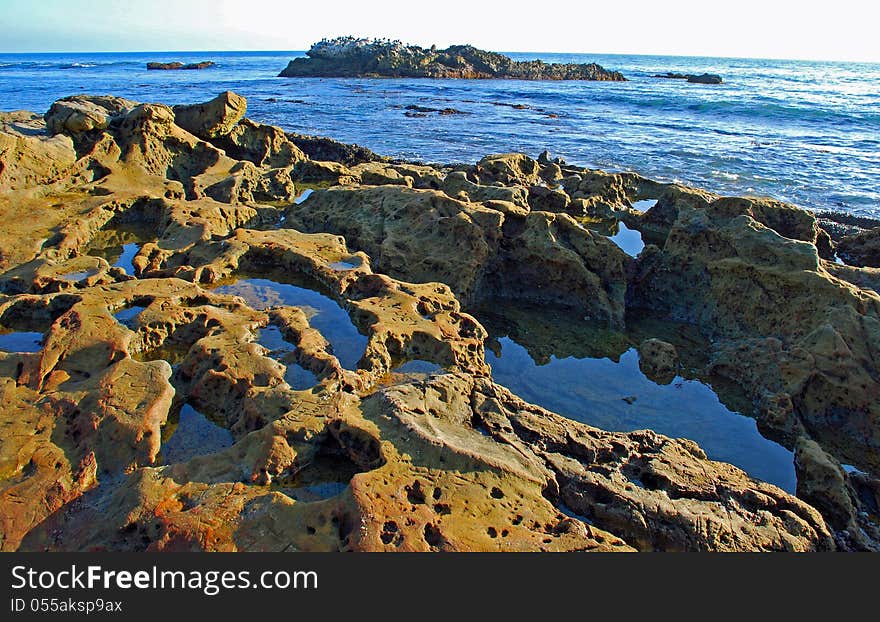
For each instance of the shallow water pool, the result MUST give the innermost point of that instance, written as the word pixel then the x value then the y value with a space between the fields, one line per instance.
pixel 298 377
pixel 21 342
pixel 128 315
pixel 629 240
pixel 644 205
pixel 120 245
pixel 418 366
pixel 194 435
pixel 344 266
pixel 76 277
pixel 591 374
pixel 325 314
pixel 303 196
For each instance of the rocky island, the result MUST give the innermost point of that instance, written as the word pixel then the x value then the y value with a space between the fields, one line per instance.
pixel 349 57
pixel 208 329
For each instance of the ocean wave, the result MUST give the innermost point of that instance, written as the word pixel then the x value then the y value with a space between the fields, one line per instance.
pixel 56 65
pixel 771 111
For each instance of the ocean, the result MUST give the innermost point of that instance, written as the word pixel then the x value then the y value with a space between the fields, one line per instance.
pixel 803 132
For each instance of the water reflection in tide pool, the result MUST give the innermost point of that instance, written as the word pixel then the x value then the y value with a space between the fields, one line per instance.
pixel 325 314
pixel 126 256
pixel 418 366
pixel 76 277
pixel 119 245
pixel 644 205
pixel 21 342
pixel 344 266
pixel 612 393
pixel 628 240
pixel 303 196
pixel 193 435
pixel 128 315
pixel 298 377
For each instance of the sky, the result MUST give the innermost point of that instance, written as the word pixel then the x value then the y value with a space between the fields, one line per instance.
pixel 839 30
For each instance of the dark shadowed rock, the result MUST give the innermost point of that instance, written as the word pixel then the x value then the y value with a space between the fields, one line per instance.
pixel 327 149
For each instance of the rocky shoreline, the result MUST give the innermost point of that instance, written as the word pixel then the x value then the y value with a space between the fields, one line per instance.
pixel 348 57
pixel 237 236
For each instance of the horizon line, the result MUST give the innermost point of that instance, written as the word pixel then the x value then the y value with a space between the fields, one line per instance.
pixel 303 51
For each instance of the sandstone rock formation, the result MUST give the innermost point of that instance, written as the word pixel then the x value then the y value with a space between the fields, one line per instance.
pixel 29 157
pixel 223 311
pixel 348 57
pixel 214 118
pixel 861 249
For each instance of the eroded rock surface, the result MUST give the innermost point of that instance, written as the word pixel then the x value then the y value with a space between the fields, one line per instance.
pixel 223 310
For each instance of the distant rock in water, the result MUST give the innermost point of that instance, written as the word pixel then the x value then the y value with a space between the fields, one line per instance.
pixel 422 111
pixel 348 57
pixel 703 78
pixel 176 65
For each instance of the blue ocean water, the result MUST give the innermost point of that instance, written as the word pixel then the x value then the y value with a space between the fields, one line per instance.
pixel 804 132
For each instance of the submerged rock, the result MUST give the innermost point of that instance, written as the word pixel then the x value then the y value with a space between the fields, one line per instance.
pixel 703 78
pixel 347 57
pixel 176 65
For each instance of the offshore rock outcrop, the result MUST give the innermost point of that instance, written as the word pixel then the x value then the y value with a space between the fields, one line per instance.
pixel 348 57
pixel 703 78
pixel 216 313
pixel 177 65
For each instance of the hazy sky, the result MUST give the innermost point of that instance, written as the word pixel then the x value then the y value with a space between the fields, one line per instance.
pixel 839 30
